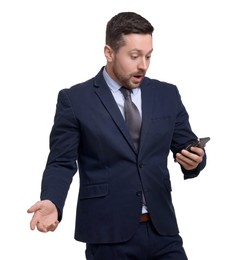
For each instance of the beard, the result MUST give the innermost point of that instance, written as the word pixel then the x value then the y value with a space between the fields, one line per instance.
pixel 130 81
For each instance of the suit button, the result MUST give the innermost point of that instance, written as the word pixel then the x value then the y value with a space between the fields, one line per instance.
pixel 139 193
pixel 141 165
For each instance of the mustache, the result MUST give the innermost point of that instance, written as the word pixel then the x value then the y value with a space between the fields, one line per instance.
pixel 139 73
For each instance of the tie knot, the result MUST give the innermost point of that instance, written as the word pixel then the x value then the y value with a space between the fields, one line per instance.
pixel 126 92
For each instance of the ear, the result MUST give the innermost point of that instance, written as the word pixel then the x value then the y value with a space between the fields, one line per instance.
pixel 108 52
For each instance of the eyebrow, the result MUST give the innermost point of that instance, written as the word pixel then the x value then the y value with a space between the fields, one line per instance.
pixel 138 50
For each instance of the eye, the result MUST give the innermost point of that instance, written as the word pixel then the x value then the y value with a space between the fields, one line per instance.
pixel 134 57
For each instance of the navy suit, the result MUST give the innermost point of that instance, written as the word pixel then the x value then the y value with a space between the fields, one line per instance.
pixel 89 132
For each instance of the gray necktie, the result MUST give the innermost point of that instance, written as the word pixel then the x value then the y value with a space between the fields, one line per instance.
pixel 132 116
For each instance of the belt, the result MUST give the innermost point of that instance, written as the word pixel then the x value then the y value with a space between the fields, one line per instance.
pixel 145 217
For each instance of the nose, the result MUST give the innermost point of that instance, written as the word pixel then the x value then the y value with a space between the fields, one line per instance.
pixel 143 64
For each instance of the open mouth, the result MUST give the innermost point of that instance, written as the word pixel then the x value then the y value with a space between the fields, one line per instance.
pixel 138 78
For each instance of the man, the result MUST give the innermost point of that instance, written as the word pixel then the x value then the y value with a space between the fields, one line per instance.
pixel 124 208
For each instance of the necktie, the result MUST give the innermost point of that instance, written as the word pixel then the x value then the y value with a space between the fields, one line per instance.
pixel 132 116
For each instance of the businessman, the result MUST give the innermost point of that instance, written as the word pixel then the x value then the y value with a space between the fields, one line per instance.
pixel 116 130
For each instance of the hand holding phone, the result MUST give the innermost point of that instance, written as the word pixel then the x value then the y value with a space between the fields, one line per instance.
pixel 201 142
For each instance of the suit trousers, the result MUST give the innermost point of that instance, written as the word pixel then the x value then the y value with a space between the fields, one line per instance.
pixel 146 244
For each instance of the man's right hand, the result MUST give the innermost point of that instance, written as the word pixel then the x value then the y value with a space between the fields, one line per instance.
pixel 45 216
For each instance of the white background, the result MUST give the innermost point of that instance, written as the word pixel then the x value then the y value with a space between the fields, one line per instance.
pixel 49 45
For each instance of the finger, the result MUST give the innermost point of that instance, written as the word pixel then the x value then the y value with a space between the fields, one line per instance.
pixel 191 157
pixel 53 226
pixel 198 151
pixel 42 228
pixel 46 228
pixel 34 221
pixel 186 162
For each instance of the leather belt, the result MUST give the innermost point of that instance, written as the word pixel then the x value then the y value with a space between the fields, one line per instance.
pixel 145 217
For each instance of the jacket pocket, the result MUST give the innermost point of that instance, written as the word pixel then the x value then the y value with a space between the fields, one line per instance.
pixel 93 191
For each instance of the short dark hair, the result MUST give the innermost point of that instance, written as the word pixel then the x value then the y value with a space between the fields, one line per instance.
pixel 125 23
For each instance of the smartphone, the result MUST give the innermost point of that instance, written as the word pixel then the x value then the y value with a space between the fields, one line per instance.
pixel 199 143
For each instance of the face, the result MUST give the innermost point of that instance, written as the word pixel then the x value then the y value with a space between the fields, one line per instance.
pixel 129 64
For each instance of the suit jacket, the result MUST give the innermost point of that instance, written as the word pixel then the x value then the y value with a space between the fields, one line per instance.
pixel 89 135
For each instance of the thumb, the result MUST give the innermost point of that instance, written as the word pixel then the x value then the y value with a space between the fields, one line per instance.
pixel 34 208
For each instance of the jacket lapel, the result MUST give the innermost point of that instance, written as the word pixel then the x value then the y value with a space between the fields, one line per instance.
pixel 103 92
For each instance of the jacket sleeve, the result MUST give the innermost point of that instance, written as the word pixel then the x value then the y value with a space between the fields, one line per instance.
pixel 61 163
pixel 183 136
